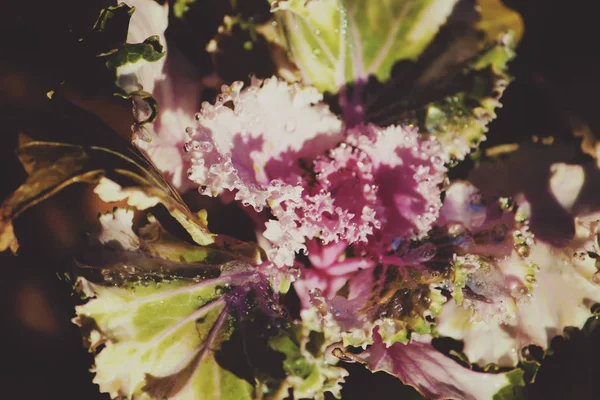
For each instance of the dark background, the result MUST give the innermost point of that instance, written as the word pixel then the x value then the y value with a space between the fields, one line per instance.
pixel 557 78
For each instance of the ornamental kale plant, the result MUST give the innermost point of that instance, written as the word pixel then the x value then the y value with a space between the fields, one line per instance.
pixel 340 132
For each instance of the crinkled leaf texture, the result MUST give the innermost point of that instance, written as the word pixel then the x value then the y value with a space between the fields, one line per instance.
pixel 160 340
pixel 277 146
pixel 460 119
pixel 437 376
pixel 309 369
pixel 259 152
pixel 334 42
pixel 452 91
pixel 534 291
pixel 169 317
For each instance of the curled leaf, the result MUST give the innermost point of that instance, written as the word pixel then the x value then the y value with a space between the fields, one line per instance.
pixel 53 166
pixel 437 376
pixel 149 50
pixel 497 19
pixel 309 371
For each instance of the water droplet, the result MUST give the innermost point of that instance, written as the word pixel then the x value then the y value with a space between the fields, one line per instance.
pixel 208 111
pixel 523 251
pixel 294 273
pixel 227 167
pixel 237 86
pixel 205 147
pixel 290 126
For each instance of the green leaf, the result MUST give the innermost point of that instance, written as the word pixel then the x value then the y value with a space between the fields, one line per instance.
pixel 161 339
pixel 515 390
pixel 150 50
pixel 449 84
pixel 180 323
pixel 125 60
pixel 106 20
pixel 161 327
pixel 460 121
pixel 497 19
pixel 455 86
pixel 110 29
pixel 308 374
pixel 338 41
pixel 180 7
pixel 453 98
pixel 53 166
pixel 170 339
